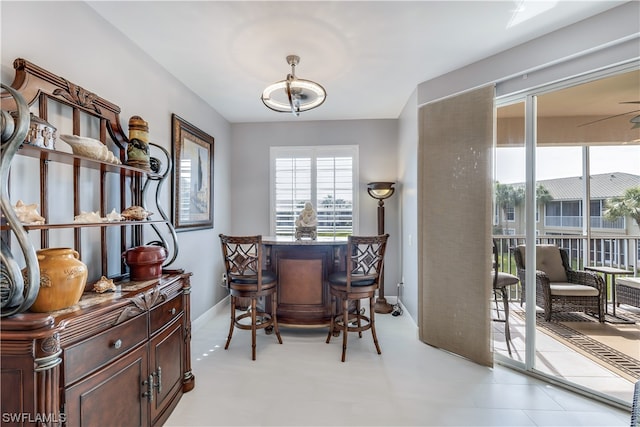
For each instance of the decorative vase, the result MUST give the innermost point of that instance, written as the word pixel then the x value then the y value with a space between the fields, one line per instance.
pixel 62 279
pixel 138 147
pixel 145 262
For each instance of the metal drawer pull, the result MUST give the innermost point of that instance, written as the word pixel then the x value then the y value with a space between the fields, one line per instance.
pixel 172 311
pixel 117 344
pixel 149 393
pixel 158 384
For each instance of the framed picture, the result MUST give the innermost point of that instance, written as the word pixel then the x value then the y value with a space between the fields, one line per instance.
pixel 192 183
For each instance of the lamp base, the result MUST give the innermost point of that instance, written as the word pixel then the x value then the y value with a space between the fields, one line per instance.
pixel 382 306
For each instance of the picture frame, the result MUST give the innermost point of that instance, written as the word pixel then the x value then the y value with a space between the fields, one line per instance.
pixel 192 180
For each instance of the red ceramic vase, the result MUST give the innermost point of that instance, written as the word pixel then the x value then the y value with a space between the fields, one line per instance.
pixel 145 262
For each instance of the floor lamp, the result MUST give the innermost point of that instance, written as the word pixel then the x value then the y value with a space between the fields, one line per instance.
pixel 381 191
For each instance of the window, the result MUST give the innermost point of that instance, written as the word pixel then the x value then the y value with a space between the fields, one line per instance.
pixel 510 213
pixel 563 214
pixel 326 176
pixel 598 220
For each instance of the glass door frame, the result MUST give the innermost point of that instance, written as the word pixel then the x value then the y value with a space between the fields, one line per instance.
pixel 529 97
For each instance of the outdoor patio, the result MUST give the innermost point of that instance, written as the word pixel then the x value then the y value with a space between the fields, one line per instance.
pixel 601 356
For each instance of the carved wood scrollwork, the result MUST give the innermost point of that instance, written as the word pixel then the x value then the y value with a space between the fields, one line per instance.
pixel 78 95
pixel 142 302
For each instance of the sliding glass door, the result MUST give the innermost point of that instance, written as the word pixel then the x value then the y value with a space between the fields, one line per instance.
pixel 575 150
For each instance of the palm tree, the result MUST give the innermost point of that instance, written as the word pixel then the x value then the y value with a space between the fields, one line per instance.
pixel 507 196
pixel 626 205
pixel 542 196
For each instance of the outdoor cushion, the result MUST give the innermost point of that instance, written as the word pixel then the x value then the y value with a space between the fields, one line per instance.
pixel 632 282
pixel 549 260
pixel 505 279
pixel 571 289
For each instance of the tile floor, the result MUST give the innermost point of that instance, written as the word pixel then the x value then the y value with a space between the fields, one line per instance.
pixel 556 359
pixel 303 383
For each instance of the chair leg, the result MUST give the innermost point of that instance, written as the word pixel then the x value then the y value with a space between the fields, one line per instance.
pixel 274 316
pixel 495 299
pixel 233 321
pixel 358 318
pixel 372 322
pixel 345 327
pixel 507 331
pixel 332 324
pixel 253 328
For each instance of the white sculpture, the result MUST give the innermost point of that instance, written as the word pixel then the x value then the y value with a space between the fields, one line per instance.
pixel 307 222
pixel 307 217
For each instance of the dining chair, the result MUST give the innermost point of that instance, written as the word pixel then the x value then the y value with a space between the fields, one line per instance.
pixel 246 279
pixel 364 263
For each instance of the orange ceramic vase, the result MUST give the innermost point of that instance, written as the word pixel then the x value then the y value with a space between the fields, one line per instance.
pixel 62 279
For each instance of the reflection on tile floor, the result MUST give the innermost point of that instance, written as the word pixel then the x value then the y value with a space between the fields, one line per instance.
pixel 302 383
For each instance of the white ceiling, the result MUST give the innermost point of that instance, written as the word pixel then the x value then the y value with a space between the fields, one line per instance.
pixel 369 55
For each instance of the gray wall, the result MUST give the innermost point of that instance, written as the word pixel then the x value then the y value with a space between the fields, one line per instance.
pixel 378 150
pixel 72 41
pixel 408 175
pixel 86 49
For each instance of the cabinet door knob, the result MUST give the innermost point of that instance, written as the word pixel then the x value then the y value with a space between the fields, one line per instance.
pixel 117 344
pixel 172 311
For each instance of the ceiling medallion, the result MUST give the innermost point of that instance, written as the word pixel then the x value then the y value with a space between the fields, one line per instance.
pixel 293 95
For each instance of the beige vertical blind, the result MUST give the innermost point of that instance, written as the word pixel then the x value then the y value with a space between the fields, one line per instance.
pixel 454 202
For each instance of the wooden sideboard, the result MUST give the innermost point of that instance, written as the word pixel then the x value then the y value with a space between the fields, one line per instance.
pixel 303 268
pixel 120 358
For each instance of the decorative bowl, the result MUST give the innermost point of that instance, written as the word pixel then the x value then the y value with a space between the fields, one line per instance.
pixel 89 147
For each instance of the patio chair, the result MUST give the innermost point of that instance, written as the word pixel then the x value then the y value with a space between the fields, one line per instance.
pixel 502 281
pixel 559 288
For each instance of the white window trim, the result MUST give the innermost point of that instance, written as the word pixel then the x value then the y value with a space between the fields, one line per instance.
pixel 275 151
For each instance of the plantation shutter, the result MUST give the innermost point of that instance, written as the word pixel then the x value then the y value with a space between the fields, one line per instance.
pixel 325 176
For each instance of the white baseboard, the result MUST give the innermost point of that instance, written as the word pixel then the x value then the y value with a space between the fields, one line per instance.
pixel 210 314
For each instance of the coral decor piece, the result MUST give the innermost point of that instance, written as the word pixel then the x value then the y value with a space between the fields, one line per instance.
pixel 113 216
pixel 28 214
pixel 104 285
pixel 87 217
pixel 136 213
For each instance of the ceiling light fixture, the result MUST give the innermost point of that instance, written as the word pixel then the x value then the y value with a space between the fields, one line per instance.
pixel 293 95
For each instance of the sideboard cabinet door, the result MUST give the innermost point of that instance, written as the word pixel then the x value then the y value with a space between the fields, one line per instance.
pixel 166 359
pixel 115 396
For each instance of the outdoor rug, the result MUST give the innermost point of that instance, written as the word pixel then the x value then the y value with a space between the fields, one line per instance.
pixel 615 346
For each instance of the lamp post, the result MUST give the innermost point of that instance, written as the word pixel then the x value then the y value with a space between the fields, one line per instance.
pixel 381 191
